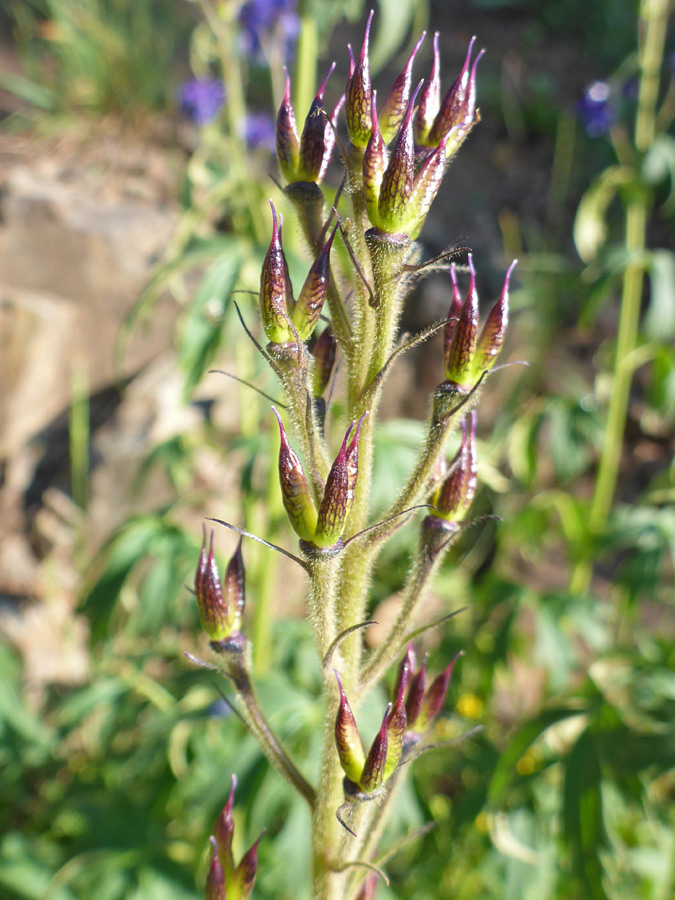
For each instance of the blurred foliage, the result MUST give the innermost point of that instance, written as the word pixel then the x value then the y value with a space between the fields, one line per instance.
pixel 109 788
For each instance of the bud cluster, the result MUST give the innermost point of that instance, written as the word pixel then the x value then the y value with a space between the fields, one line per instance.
pixel 324 526
pixel 221 605
pixel 286 320
pixel 225 881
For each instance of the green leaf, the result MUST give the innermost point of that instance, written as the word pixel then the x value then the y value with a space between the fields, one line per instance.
pixel 583 816
pixel 659 321
pixel 201 329
pixel 590 227
pixel 506 766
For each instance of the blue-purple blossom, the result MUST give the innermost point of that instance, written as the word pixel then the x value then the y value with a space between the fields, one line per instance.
pixel 259 131
pixel 201 99
pixel 262 20
pixel 596 109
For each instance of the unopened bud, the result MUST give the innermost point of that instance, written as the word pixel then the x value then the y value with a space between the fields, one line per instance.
pixel 430 99
pixel 244 875
pixel 313 139
pixel 397 725
pixel 494 330
pixel 335 505
pixel 454 497
pixel 215 879
pixel 288 145
pixel 459 358
pixel 274 290
pixel 416 694
pixel 220 613
pixel 223 830
pixel 313 294
pixel 425 187
pixel 434 697
pixel 397 182
pixel 453 313
pixel 394 107
pixel 295 492
pixel 457 113
pixel 375 161
pixel 324 352
pixel 373 775
pixel 347 740
pixel 357 96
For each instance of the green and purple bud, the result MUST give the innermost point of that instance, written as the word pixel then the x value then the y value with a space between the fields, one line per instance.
pixel 223 831
pixel 275 296
pixel 425 187
pixel 434 697
pixel 394 107
pixel 457 113
pixel 313 294
pixel 373 775
pixel 357 95
pixel 453 313
pixel 295 492
pixel 225 881
pixel 313 140
pixel 467 356
pixel 215 879
pixel 397 725
pixel 459 357
pixel 288 145
pixel 353 462
pixel 347 740
pixel 323 353
pixel 430 99
pixel 220 611
pixel 494 330
pixel 393 215
pixel 454 496
pixel 375 162
pixel 423 704
pixel 245 873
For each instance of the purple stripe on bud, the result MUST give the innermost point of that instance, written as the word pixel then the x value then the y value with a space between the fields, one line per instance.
pixel 372 777
pixel 347 740
pixel 313 294
pixel 435 695
pixel 459 359
pixel 430 99
pixel 397 182
pixel 394 107
pixel 288 146
pixel 275 289
pixel 295 492
pixel 357 95
pixel 494 330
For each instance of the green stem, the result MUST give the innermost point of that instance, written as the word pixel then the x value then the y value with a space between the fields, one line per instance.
pixel 237 670
pixel 308 54
pixel 653 17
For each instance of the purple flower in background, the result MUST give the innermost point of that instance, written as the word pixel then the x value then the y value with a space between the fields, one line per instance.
pixel 596 109
pixel 201 99
pixel 259 131
pixel 264 19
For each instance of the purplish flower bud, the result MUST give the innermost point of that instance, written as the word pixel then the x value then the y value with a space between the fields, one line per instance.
pixel 454 496
pixel 456 113
pixel 274 290
pixel 338 494
pixel 423 704
pixel 467 356
pixel 313 294
pixel 295 492
pixel 357 95
pixel 394 107
pixel 323 352
pixel 225 881
pixel 220 610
